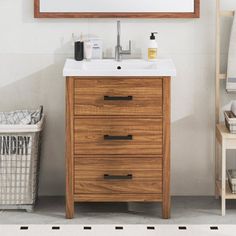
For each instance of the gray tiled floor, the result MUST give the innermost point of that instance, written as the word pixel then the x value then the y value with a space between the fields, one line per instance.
pixel 185 210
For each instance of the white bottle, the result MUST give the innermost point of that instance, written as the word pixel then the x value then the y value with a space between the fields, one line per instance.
pixel 152 47
pixel 88 50
pixel 97 48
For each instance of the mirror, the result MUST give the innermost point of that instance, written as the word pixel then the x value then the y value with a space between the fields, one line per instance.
pixel 117 8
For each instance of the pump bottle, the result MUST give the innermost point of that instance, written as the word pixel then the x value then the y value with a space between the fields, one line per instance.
pixel 152 47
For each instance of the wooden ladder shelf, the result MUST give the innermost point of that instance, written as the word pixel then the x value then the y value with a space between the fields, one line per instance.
pixel 223 137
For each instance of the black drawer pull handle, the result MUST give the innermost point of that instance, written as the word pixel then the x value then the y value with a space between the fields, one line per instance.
pixel 118 177
pixel 118 98
pixel 110 138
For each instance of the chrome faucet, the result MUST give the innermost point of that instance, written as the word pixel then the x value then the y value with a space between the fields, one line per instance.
pixel 118 49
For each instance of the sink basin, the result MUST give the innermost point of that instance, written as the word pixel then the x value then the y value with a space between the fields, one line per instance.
pixel 131 67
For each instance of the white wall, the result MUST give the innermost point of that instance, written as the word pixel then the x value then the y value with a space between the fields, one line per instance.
pixel 32 53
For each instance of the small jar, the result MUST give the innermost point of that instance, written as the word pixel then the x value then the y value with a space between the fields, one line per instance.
pixel 79 51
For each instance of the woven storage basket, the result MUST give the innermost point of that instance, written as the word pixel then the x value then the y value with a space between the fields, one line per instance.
pixel 230 121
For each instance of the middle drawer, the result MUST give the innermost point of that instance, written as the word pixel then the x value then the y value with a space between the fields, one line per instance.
pixel 118 136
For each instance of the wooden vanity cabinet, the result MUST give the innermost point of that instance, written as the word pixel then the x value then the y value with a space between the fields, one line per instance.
pixel 117 140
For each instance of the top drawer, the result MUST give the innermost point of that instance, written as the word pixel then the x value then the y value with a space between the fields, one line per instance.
pixel 118 96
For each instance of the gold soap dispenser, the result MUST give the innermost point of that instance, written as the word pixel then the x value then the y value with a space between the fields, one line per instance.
pixel 152 47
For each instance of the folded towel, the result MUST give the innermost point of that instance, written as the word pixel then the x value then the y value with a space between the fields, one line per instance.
pixel 231 71
pixel 23 117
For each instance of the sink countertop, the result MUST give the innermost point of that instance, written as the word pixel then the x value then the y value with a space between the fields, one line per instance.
pixel 110 67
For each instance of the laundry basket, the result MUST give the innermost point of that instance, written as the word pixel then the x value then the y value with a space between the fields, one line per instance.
pixel 19 165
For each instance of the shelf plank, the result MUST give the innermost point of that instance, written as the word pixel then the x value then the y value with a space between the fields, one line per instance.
pixel 224 132
pixel 229 194
pixel 227 13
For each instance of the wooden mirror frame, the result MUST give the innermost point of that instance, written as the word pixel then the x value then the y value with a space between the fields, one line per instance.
pixel 195 14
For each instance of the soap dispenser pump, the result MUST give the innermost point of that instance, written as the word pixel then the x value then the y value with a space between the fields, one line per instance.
pixel 152 47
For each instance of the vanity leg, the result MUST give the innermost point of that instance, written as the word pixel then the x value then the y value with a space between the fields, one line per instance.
pixel 70 210
pixel 166 209
pixel 69 193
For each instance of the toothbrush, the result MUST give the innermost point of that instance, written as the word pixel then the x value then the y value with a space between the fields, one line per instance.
pixel 73 38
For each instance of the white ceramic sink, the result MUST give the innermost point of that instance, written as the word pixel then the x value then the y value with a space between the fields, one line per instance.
pixel 131 67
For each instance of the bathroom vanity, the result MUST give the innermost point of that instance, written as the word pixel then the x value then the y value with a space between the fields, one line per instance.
pixel 118 132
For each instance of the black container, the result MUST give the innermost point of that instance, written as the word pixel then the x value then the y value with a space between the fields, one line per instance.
pixel 79 51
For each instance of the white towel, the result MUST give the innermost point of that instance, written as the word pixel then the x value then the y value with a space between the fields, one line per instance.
pixel 231 71
pixel 23 117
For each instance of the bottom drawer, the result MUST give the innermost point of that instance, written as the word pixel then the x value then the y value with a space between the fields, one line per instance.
pixel 118 175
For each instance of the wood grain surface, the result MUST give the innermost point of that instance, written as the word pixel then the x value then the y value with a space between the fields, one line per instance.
pixel 140 162
pixel 166 149
pixel 143 186
pixel 146 93
pixel 95 168
pixel 69 149
pixel 89 136
pixel 118 197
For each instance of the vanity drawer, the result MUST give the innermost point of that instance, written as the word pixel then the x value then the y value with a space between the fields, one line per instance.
pixel 118 136
pixel 118 96
pixel 99 169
